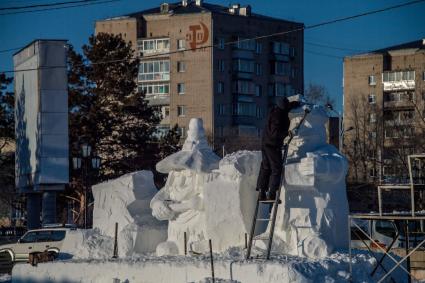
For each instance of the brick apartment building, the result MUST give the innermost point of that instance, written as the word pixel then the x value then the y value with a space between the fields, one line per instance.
pixel 384 95
pixel 230 86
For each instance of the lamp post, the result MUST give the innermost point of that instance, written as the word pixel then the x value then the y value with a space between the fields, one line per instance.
pixel 87 162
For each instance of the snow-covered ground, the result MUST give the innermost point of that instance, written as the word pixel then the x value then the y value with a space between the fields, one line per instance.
pixel 228 267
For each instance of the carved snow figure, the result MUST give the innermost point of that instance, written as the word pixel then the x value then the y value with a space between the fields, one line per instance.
pixel 181 199
pixel 312 219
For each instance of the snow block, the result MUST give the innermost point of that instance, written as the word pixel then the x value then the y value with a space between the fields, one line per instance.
pixel 125 201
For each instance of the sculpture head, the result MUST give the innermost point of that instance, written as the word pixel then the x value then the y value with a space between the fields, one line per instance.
pixel 312 133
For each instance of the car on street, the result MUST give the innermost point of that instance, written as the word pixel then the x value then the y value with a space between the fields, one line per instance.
pixel 33 241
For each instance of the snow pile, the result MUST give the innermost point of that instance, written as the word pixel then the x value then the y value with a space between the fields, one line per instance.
pixel 81 244
pixel 125 201
pixel 179 269
pixel 312 220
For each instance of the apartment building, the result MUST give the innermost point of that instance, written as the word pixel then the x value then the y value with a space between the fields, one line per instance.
pixel 384 94
pixel 202 60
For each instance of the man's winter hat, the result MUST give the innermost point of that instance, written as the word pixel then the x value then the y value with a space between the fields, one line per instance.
pixel 282 103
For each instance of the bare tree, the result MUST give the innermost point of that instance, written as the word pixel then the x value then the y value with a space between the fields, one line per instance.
pixel 318 94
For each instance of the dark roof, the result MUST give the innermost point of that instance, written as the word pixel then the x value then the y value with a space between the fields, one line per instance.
pixel 177 8
pixel 420 44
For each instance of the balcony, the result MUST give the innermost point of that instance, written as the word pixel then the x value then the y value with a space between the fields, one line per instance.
pixel 153 46
pixel 403 99
pixel 400 80
pixel 153 77
pixel 158 99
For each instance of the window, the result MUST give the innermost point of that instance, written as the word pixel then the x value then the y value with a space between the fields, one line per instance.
pixel 181 66
pixel 247 44
pixel 258 47
pixel 247 130
pixel 397 76
pixel 58 235
pixel 281 48
pixel 154 71
pixel 258 69
pixel 149 46
pixel 154 89
pixel 280 89
pixel 372 99
pixel 221 43
pixel 181 110
pixel 372 172
pixel 281 68
pixel 244 87
pixel 259 113
pixel 30 237
pixel 182 132
pixel 243 65
pixel 244 109
pixel 220 87
pixel 372 117
pixel 292 52
pixel 180 88
pixel 258 90
pixel 181 44
pixel 372 80
pixel 221 65
pixel 222 109
pixel 165 110
pixel 372 135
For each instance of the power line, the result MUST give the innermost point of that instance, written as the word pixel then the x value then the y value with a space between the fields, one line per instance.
pixel 247 39
pixel 323 54
pixel 46 5
pixel 333 47
pixel 60 8
pixel 11 49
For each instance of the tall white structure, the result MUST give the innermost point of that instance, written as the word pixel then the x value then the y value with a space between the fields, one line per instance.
pixel 41 126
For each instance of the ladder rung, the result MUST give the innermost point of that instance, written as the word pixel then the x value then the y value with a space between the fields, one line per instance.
pixel 263 219
pixel 270 201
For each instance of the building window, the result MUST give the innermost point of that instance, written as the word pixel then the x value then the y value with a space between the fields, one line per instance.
pixel 398 76
pixel 220 87
pixel 181 110
pixel 372 99
pixel 258 90
pixel 181 66
pixel 165 111
pixel 372 80
pixel 244 109
pixel 181 44
pixel 182 132
pixel 258 69
pixel 180 88
pixel 221 65
pixel 155 89
pixel 372 135
pixel 222 109
pixel 281 68
pixel 259 113
pixel 372 117
pixel 221 43
pixel 243 65
pixel 154 71
pixel 292 52
pixel 244 87
pixel 149 46
pixel 281 48
pixel 247 44
pixel 258 47
pixel 372 172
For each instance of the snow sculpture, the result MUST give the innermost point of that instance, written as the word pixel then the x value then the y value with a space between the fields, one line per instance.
pixel 125 201
pixel 181 200
pixel 312 219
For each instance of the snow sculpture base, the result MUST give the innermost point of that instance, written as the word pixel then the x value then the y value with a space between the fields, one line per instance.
pixel 125 201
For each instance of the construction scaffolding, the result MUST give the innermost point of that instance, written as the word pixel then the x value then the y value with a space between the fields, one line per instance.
pixel 403 219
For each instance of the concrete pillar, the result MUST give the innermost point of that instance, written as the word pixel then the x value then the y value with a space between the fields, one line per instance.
pixel 49 207
pixel 33 210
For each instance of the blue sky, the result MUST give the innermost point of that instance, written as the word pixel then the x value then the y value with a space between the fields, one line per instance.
pixel 323 65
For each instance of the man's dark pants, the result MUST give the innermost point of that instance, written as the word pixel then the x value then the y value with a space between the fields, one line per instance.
pixel 271 169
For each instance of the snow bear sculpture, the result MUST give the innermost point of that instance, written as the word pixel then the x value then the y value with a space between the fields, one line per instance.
pixel 312 219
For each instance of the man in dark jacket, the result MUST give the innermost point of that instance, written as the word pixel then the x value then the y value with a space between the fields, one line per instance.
pixel 275 131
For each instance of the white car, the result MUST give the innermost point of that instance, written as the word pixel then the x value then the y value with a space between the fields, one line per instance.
pixel 39 240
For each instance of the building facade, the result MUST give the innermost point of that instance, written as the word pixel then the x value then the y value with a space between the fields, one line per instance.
pixel 200 60
pixel 384 94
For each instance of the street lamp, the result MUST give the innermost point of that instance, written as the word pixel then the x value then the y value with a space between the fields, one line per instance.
pixel 86 162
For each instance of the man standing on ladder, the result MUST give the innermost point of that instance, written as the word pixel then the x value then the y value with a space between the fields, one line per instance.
pixel 274 133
